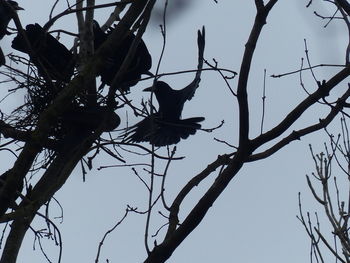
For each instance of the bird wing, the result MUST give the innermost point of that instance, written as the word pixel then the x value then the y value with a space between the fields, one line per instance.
pixel 190 89
pixel 161 132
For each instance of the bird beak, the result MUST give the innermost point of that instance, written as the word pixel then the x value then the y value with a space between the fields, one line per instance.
pixel 16 8
pixel 148 89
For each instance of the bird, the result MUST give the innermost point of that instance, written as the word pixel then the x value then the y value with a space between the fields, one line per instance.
pixel 91 117
pixel 165 127
pixel 46 53
pixel 171 102
pixel 6 14
pixel 79 122
pixel 140 64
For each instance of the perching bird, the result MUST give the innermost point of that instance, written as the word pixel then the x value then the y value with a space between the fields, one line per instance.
pixel 80 122
pixel 48 54
pixel 166 127
pixel 140 64
pixel 171 102
pixel 5 18
pixel 90 118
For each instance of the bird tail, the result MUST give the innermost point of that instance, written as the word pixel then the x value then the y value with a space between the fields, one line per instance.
pixel 161 133
pixel 191 88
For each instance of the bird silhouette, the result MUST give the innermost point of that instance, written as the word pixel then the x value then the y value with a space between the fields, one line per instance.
pixel 90 118
pixel 140 63
pixel 78 123
pixel 171 102
pixel 6 14
pixel 165 127
pixel 46 53
pixel 161 132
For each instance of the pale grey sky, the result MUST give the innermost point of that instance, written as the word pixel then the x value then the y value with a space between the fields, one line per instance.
pixel 254 219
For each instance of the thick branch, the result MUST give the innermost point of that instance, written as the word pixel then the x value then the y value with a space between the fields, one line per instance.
pixel 59 105
pixel 345 5
pixel 24 136
pixel 195 181
pixel 294 115
pixel 260 21
pixel 52 180
pixel 63 165
pixel 296 135
pixel 162 252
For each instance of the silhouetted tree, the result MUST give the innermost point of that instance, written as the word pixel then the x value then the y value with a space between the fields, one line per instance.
pixel 66 119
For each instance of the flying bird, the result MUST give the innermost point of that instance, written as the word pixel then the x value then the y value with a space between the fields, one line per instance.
pixel 46 53
pixel 140 64
pixel 165 127
pixel 161 132
pixel 6 14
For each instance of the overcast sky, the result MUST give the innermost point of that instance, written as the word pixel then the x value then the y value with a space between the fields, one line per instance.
pixel 255 218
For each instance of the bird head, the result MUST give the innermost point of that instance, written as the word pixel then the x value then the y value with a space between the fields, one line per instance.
pixel 150 89
pixel 162 91
pixel 96 25
pixel 158 86
pixel 15 5
pixel 99 35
